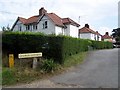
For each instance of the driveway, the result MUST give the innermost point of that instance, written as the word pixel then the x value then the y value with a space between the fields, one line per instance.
pixel 100 69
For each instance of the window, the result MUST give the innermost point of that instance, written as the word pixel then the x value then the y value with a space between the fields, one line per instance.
pixel 35 27
pixel 45 25
pixel 20 28
pixel 27 27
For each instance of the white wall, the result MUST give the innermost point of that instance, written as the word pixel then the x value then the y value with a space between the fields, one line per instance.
pixel 73 31
pixel 59 30
pixel 85 35
pixel 17 26
pixel 50 29
pixel 67 30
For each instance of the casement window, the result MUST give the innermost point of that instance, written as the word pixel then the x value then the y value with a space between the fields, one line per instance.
pixel 95 37
pixel 28 27
pixel 19 27
pixel 35 27
pixel 45 25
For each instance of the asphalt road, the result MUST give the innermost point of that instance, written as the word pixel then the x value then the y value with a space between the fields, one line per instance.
pixel 99 70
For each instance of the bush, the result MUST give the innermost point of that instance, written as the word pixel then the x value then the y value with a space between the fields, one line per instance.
pixel 48 66
pixel 59 47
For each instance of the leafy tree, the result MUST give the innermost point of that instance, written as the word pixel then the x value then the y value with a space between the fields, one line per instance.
pixel 6 28
pixel 116 34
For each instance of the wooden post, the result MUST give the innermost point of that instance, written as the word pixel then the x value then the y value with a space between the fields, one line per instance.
pixel 11 60
pixel 34 63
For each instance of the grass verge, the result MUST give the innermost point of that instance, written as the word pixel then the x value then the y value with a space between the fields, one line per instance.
pixel 26 75
pixel 75 59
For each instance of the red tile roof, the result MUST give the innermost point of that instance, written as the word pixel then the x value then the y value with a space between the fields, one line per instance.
pixel 98 33
pixel 23 20
pixel 33 19
pixel 106 37
pixel 56 19
pixel 86 30
pixel 69 21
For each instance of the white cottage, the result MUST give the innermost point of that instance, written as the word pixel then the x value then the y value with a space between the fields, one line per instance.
pixel 87 33
pixel 48 23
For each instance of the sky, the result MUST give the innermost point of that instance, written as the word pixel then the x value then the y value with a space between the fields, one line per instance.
pixel 101 15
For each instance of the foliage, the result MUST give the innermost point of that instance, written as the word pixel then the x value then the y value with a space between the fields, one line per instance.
pixel 6 28
pixel 48 65
pixel 8 76
pixel 56 47
pixel 116 34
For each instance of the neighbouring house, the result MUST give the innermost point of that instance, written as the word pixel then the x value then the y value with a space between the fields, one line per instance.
pixel 87 33
pixel 48 23
pixel 106 37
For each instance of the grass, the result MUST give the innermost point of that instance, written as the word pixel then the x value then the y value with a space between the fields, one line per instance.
pixel 75 59
pixel 26 75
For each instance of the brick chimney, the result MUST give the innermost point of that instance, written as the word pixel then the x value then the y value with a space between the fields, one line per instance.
pixel 107 33
pixel 42 11
pixel 86 25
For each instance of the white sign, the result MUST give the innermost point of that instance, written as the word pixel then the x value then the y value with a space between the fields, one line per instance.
pixel 30 55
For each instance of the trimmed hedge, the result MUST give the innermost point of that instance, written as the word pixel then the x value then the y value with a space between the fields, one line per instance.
pixel 59 47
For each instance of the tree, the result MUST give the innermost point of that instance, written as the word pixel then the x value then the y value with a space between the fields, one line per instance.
pixel 116 34
pixel 6 28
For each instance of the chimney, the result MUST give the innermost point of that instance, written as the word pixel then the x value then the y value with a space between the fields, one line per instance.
pixel 107 33
pixel 42 11
pixel 86 25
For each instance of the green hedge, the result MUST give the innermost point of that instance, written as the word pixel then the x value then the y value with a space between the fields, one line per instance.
pixel 59 48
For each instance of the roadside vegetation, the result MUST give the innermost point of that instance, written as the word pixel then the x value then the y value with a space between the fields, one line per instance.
pixel 59 53
pixel 47 69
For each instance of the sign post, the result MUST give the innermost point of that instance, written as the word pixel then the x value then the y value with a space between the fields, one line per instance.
pixel 11 60
pixel 31 55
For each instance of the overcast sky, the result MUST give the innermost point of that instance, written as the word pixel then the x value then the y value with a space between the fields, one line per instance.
pixel 101 15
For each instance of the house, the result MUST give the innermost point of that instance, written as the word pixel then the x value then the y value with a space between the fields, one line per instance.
pixel 87 33
pixel 48 23
pixel 106 37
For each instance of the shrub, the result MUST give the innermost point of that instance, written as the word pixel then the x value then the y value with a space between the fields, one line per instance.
pixel 59 47
pixel 48 66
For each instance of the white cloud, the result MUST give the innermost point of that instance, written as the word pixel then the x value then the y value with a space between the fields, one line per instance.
pixel 102 30
pixel 91 11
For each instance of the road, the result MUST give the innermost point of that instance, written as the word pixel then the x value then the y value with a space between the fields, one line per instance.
pixel 99 70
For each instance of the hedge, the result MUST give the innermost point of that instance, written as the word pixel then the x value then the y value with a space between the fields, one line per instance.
pixel 58 47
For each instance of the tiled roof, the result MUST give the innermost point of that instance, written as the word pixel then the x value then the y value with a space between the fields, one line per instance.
pixel 55 18
pixel 23 20
pixel 106 37
pixel 33 19
pixel 98 33
pixel 86 30
pixel 69 21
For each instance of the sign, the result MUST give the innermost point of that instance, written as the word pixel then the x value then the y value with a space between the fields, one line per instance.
pixel 11 60
pixel 30 55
